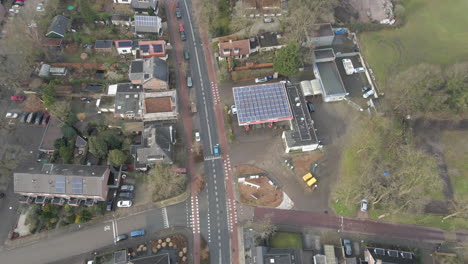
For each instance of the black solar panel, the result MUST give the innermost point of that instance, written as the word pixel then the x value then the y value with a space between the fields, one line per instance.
pixel 144 48
pixel 125 44
pixel 261 103
pixel 60 184
pixel 77 186
pixel 157 47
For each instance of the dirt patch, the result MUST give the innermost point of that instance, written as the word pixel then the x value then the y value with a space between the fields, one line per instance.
pixel 266 194
pixel 248 169
pixel 304 164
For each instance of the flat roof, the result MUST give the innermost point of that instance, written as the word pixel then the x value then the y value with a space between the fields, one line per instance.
pixel 262 103
pixel 330 78
pixel 158 104
pixel 324 53
pixel 52 132
pixel 136 66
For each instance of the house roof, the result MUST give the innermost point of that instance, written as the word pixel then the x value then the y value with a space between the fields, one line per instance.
pixel 129 99
pixel 265 255
pixel 157 145
pixel 80 142
pixel 234 48
pixel 268 39
pixel 161 106
pixel 330 78
pixel 145 4
pixel 123 44
pixel 144 70
pixel 52 132
pixel 103 44
pixel 147 24
pixel 158 104
pixel 321 30
pixel 392 256
pixel 58 26
pixel 60 179
pixel 152 48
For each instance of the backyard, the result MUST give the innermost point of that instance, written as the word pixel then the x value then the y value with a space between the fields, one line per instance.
pixel 434 33
pixel 286 240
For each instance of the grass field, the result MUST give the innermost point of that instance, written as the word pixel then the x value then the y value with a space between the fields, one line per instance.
pixel 434 33
pixel 456 156
pixel 286 240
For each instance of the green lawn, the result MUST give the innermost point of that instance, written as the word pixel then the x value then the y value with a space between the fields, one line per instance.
pixel 286 240
pixel 434 33
pixel 455 144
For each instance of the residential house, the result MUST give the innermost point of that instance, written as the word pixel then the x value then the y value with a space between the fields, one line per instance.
pixel 147 25
pixel 121 20
pixel 62 181
pixel 260 255
pixel 58 28
pixel 269 41
pixel 157 146
pixel 236 49
pixel 105 104
pixel 123 1
pixel 81 143
pixel 123 46
pixel 104 46
pixel 388 256
pixel 160 106
pixel 152 48
pixel 129 101
pixel 320 35
pixel 152 73
pixel 142 6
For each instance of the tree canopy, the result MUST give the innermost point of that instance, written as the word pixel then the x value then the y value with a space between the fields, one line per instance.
pixel 288 60
pixel 117 157
pixel 97 147
pixel 165 182
pixel 48 95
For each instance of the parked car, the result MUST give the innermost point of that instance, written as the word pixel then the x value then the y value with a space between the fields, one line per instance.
pixel 124 204
pixel 121 237
pixel 85 99
pixel 38 118
pixel 261 80
pixel 366 88
pixel 216 149
pixel 311 107
pixel 31 117
pixel 197 136
pixel 189 82
pixel 268 20
pixel 181 28
pixel 45 119
pixel 359 69
pixel 127 188
pixel 17 98
pixel 368 94
pixel 137 233
pixel 183 37
pixel 127 195
pixel 364 206
pixel 347 246
pixel 178 13
pixel 234 109
pixel 109 205
pixel 186 55
pixel 11 115
pixel 24 117
pixel 19 2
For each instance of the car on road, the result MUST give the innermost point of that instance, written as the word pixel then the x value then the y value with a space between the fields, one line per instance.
pixel 234 109
pixel 183 36
pixel 127 195
pixel 124 204
pixel 178 13
pixel 216 150
pixel 366 88
pixel 137 233
pixel 17 98
pixel 186 55
pixel 127 188
pixel 364 205
pixel 181 28
pixel 197 136
pixel 347 246
pixel 121 237
pixel 24 117
pixel 359 69
pixel 311 107
pixel 109 205
pixel 11 115
pixel 261 80
pixel 368 94
pixel 189 82
pixel 38 119
pixel 45 119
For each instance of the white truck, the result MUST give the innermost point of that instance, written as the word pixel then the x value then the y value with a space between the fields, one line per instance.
pixel 348 66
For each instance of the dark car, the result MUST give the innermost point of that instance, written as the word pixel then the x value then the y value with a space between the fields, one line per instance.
pixel 183 36
pixel 311 107
pixel 178 13
pixel 127 188
pixel 186 55
pixel 127 195
pixel 31 118
pixel 366 88
pixel 45 119
pixel 110 205
pixel 121 237
pixel 24 117
pixel 347 246
pixel 38 118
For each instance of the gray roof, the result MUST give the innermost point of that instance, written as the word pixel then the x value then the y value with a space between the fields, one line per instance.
pixel 147 24
pixel 129 99
pixel 103 44
pixel 330 78
pixel 59 25
pixel 268 39
pixel 60 179
pixel 80 142
pixel 145 4
pixel 145 70
pixel 392 256
pixel 277 255
pixel 157 145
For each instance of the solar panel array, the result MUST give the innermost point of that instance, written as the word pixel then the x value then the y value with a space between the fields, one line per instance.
pixel 144 48
pixel 77 186
pixel 148 21
pixel 261 103
pixel 157 47
pixel 60 184
pixel 125 44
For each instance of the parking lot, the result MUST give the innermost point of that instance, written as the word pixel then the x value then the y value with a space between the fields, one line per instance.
pixel 355 82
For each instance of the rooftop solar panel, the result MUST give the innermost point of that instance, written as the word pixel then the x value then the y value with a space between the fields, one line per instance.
pixel 261 103
pixel 144 48
pixel 77 186
pixel 157 48
pixel 125 44
pixel 60 184
pixel 146 21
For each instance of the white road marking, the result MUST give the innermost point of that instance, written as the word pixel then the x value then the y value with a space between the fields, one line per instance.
pixel 165 218
pixel 106 228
